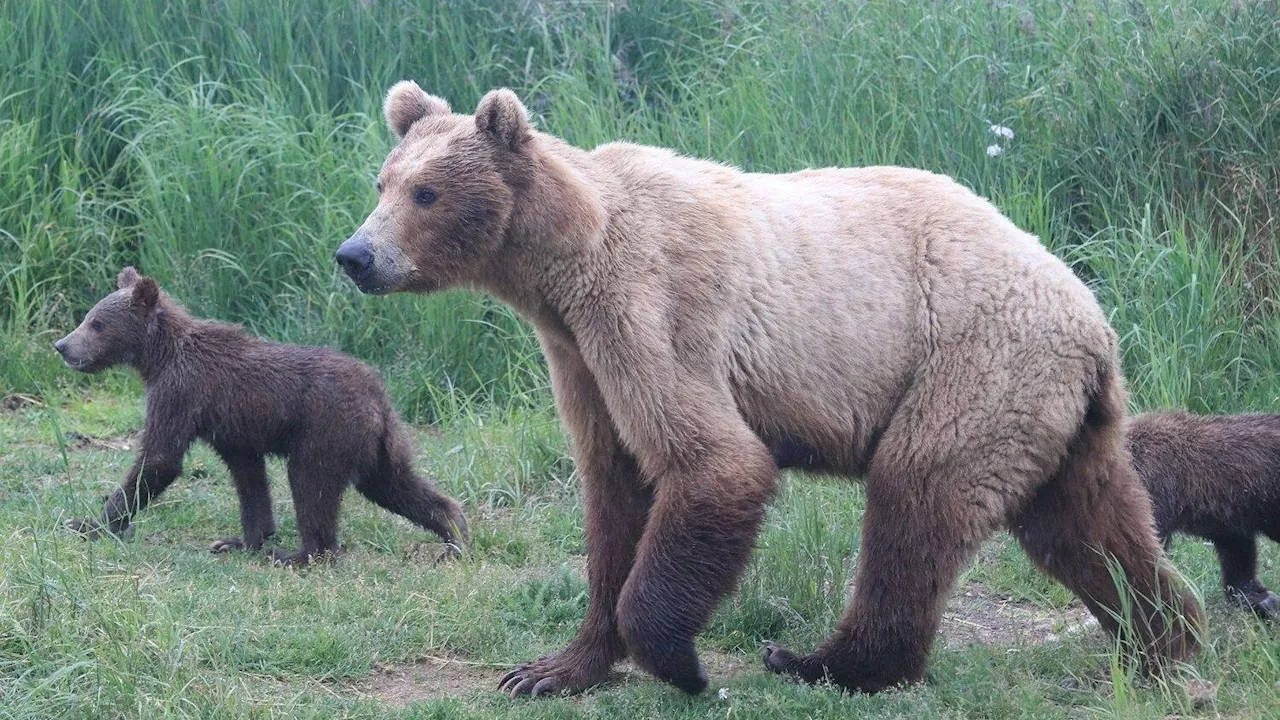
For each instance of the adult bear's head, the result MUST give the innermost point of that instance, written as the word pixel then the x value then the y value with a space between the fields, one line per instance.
pixel 459 189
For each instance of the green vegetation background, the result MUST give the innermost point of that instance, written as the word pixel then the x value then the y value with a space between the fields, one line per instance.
pixel 227 147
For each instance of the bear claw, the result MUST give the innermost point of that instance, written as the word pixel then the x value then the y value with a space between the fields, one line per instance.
pixel 525 680
pixel 551 675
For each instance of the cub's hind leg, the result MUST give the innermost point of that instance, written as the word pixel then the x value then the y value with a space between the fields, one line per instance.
pixel 396 486
pixel 317 486
pixel 1238 556
pixel 257 521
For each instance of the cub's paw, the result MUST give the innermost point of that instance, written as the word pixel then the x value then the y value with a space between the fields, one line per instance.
pixel 226 545
pixel 88 528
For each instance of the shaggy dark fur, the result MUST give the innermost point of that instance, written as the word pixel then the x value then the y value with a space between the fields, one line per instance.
pixel 1217 478
pixel 247 398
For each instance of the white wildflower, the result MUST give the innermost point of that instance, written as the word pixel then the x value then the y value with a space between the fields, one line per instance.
pixel 994 150
pixel 723 694
pixel 1002 131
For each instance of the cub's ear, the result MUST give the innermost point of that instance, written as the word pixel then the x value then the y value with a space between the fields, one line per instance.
pixel 501 115
pixel 406 104
pixel 145 293
pixel 126 278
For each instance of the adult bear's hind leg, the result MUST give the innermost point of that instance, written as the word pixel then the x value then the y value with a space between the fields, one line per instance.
pixel 916 538
pixel 1090 527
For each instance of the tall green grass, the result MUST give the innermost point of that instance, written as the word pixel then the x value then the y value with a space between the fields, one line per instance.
pixel 228 147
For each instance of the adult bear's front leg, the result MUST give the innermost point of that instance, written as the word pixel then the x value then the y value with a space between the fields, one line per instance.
pixel 617 501
pixel 695 548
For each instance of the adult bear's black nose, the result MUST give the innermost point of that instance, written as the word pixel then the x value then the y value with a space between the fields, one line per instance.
pixel 61 346
pixel 354 256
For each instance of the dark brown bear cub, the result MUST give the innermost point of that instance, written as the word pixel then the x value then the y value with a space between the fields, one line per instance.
pixel 247 398
pixel 1217 478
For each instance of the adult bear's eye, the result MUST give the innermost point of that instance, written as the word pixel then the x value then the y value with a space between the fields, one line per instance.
pixel 96 325
pixel 378 186
pixel 424 196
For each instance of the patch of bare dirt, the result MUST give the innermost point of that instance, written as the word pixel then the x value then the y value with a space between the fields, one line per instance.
pixel 975 616
pixel 82 441
pixel 433 678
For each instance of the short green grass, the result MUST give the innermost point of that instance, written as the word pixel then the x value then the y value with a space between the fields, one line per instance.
pixel 153 625
pixel 228 147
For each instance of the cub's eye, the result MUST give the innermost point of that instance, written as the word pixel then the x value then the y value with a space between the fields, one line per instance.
pixel 378 186
pixel 96 325
pixel 424 196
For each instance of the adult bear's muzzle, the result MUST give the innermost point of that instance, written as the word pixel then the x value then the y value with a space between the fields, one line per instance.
pixel 356 259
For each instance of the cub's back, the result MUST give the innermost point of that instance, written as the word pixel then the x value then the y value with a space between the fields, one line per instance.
pixel 266 396
pixel 1204 471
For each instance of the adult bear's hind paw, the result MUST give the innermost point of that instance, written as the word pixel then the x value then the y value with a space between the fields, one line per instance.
pixel 782 661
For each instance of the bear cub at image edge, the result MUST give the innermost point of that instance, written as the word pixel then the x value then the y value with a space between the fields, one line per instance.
pixel 1217 478
pixel 247 398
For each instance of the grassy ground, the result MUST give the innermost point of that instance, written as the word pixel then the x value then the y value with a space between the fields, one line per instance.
pixel 156 626
pixel 228 147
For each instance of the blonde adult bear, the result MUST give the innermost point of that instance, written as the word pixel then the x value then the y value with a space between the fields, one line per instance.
pixel 704 326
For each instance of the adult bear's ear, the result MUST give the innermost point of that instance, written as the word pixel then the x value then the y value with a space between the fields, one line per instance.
pixel 406 104
pixel 126 278
pixel 501 115
pixel 145 293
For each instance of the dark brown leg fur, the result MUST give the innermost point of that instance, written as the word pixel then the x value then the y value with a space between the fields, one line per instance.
pixel 317 487
pixel 1093 509
pixel 695 547
pixel 617 503
pixel 1238 556
pixel 257 521
pixel 914 543
pixel 395 486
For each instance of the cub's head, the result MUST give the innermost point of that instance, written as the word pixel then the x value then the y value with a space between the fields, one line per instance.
pixel 115 330
pixel 445 193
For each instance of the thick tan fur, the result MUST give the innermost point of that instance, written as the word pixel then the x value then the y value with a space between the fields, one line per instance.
pixel 704 326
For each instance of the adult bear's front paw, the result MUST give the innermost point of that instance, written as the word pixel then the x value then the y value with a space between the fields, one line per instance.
pixel 1267 606
pixel 570 671
pixel 1254 596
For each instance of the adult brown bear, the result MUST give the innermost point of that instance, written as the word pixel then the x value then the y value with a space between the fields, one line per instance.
pixel 700 322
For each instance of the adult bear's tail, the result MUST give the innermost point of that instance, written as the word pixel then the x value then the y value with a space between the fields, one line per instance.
pixel 1091 527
